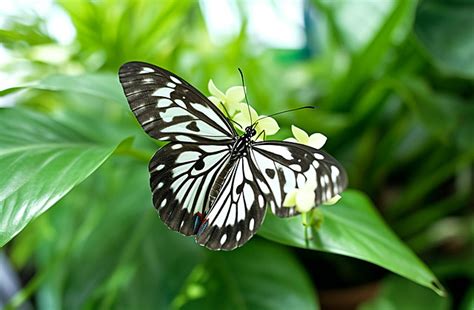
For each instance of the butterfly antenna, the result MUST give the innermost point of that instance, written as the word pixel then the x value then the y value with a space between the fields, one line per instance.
pixel 245 93
pixel 286 111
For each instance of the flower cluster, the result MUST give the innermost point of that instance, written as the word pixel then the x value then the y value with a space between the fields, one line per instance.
pixel 232 105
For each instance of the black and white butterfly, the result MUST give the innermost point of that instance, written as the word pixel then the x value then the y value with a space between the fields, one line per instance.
pixel 209 181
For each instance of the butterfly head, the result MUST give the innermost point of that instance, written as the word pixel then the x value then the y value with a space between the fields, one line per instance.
pixel 250 131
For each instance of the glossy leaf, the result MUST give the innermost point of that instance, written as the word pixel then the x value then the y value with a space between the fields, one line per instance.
pixel 260 275
pixel 41 160
pixel 101 85
pixel 353 228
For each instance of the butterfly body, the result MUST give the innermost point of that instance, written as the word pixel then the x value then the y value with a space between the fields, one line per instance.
pixel 209 181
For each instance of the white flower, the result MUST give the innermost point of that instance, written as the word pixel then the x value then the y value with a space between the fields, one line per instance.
pixel 316 140
pixel 229 101
pixel 232 106
pixel 267 124
pixel 303 199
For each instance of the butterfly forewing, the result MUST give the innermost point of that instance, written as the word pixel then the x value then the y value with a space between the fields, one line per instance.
pixel 182 176
pixel 237 212
pixel 284 166
pixel 170 109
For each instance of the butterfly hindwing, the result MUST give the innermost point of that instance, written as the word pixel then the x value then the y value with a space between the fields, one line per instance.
pixel 182 176
pixel 170 109
pixel 283 166
pixel 237 211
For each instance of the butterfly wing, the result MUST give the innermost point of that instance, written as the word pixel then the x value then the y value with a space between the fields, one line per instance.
pixel 237 210
pixel 170 109
pixel 182 176
pixel 283 166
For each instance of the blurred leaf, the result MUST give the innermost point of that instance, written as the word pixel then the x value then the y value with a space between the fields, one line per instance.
pixel 41 161
pixel 468 302
pixel 353 228
pixel 445 30
pixel 398 293
pixel 102 85
pixel 364 63
pixel 260 275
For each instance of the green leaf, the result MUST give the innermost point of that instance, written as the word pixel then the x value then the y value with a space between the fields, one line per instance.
pixel 41 161
pixel 445 30
pixel 398 293
pixel 101 85
pixel 353 228
pixel 260 275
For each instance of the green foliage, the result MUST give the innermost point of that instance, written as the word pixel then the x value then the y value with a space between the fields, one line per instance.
pixel 393 82
pixel 352 227
pixel 41 161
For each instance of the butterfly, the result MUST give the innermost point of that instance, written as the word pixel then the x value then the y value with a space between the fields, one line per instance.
pixel 209 181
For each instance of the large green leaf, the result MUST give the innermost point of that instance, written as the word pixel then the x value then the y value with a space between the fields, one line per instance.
pixel 41 160
pixel 353 228
pixel 260 275
pixel 445 29
pixel 101 85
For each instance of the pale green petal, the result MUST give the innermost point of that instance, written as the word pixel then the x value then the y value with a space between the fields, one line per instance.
pixel 269 125
pixel 243 117
pixel 291 140
pixel 333 200
pixel 290 199
pixel 299 134
pixel 215 91
pixel 214 100
pixel 235 94
pixel 317 140
pixel 305 200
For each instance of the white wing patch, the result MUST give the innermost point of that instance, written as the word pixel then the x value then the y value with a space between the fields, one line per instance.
pixel 237 211
pixel 182 176
pixel 284 166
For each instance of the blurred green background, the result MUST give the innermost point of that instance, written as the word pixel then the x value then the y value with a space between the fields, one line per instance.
pixel 394 85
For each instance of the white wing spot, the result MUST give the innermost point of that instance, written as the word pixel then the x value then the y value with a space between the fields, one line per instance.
pixel 148 81
pixel 238 236
pixel 164 138
pixel 146 70
pixel 176 146
pixel 334 173
pixel 321 180
pixel 316 164
pixel 326 179
pixel 163 92
pixel 175 80
pixel 160 185
pixel 261 202
pixel 160 167
pixel 163 203
pixel 318 156
pixel 172 85
pixel 223 238
pixel 164 103
pixel 184 139
pixel 180 103
pixel 251 224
